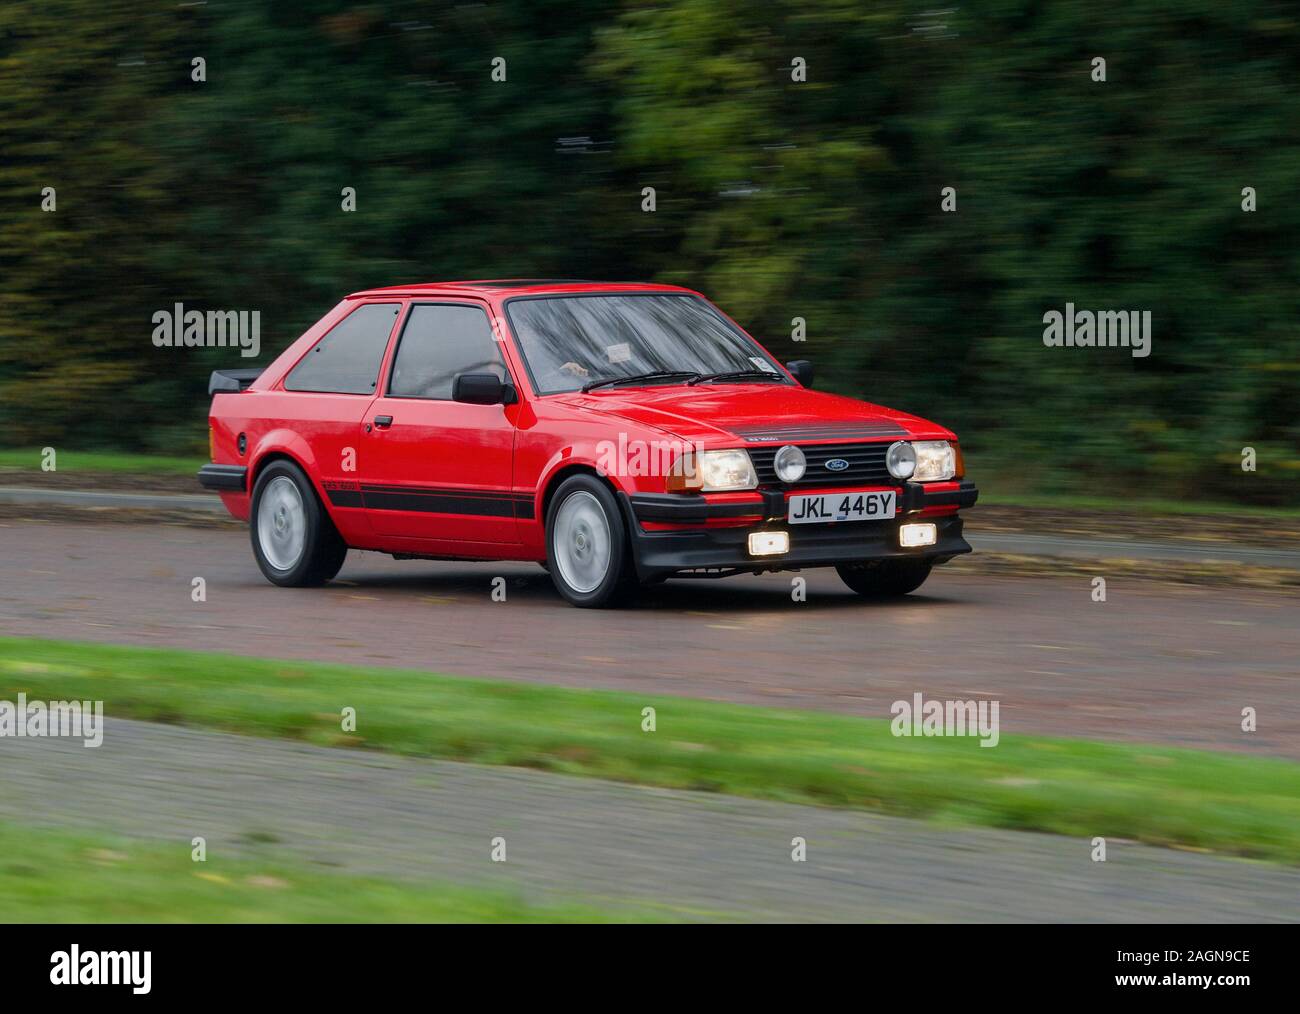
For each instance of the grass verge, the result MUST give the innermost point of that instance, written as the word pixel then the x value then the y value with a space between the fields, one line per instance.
pixel 993 495
pixel 71 462
pixel 69 877
pixel 1223 802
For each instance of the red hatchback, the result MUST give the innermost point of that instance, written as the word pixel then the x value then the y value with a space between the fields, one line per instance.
pixel 618 434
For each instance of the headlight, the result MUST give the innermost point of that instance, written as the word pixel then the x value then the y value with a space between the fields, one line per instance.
pixel 900 459
pixel 712 472
pixel 936 460
pixel 789 463
pixel 724 470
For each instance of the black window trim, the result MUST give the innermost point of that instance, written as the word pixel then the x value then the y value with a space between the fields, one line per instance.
pixel 528 368
pixel 406 319
pixel 284 381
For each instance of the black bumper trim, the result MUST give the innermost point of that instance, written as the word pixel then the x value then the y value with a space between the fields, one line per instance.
pixel 231 478
pixel 964 496
pixel 688 509
pixel 727 548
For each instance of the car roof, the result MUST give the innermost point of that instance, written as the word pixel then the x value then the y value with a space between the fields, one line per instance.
pixel 514 286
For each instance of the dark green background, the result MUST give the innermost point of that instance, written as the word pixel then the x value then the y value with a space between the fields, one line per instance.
pixel 777 199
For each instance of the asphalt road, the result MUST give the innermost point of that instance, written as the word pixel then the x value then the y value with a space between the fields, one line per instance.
pixel 205 503
pixel 1154 663
pixel 201 505
pixel 681 855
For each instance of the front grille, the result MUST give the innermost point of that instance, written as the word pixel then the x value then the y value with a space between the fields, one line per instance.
pixel 866 465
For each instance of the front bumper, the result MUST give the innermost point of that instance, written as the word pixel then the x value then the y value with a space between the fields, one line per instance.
pixel 725 548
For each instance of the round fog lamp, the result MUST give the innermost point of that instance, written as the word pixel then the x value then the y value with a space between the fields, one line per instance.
pixel 900 459
pixel 789 463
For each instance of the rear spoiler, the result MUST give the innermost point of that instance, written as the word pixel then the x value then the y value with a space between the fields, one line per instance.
pixel 233 381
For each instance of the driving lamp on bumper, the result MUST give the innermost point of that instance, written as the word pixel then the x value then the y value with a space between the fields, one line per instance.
pixel 769 543
pixel 924 534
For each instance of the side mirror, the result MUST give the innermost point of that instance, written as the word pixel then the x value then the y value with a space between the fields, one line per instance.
pixel 481 389
pixel 802 370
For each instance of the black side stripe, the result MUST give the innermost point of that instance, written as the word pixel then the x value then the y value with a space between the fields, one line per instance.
pixel 436 501
pixel 345 497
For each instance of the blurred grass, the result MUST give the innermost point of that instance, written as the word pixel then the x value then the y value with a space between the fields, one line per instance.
pixel 71 877
pixel 997 494
pixel 70 462
pixel 1225 802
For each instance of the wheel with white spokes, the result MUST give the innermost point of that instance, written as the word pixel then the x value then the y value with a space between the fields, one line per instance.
pixel 281 523
pixel 294 540
pixel 582 542
pixel 586 543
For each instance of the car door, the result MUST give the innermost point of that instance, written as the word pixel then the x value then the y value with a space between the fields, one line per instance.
pixel 433 468
pixel 324 400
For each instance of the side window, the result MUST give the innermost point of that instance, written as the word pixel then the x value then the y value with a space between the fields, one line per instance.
pixel 439 342
pixel 346 360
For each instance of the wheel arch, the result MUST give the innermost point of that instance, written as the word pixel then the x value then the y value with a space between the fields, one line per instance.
pixel 265 457
pixel 627 574
pixel 567 471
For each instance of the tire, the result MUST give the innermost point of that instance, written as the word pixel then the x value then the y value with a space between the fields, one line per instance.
pixel 885 579
pixel 294 541
pixel 587 550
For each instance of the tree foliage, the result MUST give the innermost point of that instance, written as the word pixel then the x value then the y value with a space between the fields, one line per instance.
pixel 780 198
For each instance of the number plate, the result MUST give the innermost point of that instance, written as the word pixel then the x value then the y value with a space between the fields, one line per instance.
pixel 812 508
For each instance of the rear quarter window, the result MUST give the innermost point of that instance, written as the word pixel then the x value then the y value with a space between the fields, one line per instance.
pixel 346 360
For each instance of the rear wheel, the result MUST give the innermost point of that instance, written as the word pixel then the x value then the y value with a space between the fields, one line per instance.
pixel 587 550
pixel 885 578
pixel 294 540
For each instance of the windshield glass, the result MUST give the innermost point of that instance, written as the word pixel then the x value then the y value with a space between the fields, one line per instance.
pixel 569 342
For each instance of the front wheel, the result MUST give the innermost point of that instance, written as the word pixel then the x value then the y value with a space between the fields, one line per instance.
pixel 294 540
pixel 885 578
pixel 587 551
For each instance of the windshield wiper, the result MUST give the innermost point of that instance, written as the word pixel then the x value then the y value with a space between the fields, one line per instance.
pixel 634 378
pixel 736 375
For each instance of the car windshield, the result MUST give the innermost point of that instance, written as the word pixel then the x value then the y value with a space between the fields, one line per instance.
pixel 572 342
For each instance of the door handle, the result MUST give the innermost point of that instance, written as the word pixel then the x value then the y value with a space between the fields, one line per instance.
pixel 383 421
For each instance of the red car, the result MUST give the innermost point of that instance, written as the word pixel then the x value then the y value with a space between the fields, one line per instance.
pixel 617 434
